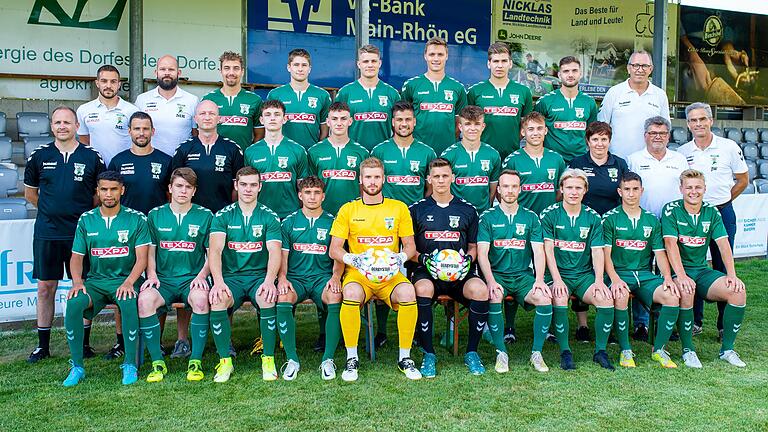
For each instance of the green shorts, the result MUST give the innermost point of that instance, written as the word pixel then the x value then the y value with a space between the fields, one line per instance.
pixel 704 277
pixel 517 286
pixel 579 284
pixel 642 284
pixel 102 293
pixel 309 288
pixel 174 290
pixel 243 288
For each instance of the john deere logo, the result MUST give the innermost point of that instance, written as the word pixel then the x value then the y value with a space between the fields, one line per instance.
pixel 53 14
pixel 299 16
pixel 713 30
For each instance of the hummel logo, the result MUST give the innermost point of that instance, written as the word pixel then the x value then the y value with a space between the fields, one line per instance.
pixel 148 334
pixel 622 325
pixel 493 327
pixel 203 333
pixel 131 338
pixel 283 331
pixel 559 328
pixel 132 332
pixel 480 325
pixel 607 327
pixel 425 326
pixel 71 334
pixel 545 329
pixel 216 326
pixel 283 324
pixel 670 325
pixel 217 332
pixel 687 325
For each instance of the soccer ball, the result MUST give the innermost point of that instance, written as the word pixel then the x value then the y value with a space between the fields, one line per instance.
pixel 448 265
pixel 379 265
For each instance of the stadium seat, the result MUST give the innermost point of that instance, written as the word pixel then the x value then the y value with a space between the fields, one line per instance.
pixel 763 188
pixel 762 168
pixel 31 143
pixel 9 179
pixel 750 189
pixel 679 135
pixel 734 134
pixel 763 133
pixel 763 150
pixel 717 131
pixel 673 146
pixel 2 123
pixel 751 169
pixel 33 124
pixel 751 151
pixel 6 149
pixel 12 209
pixel 750 135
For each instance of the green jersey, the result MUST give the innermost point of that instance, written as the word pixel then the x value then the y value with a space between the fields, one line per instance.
pixel 509 237
pixel 281 167
pixel 474 172
pixel 245 248
pixel 539 177
pixel 307 242
pixel 305 112
pixel 110 243
pixel 370 109
pixel 693 232
pixel 503 107
pixel 574 238
pixel 567 121
pixel 405 169
pixel 339 167
pixel 632 241
pixel 436 105
pixel 238 115
pixel 181 240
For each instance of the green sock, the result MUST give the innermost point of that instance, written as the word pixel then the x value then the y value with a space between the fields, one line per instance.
pixel 560 315
pixel 287 324
pixel 73 323
pixel 222 332
pixel 199 334
pixel 269 330
pixel 150 331
pixel 665 325
pixel 496 325
pixel 322 317
pixel 541 321
pixel 732 318
pixel 382 314
pixel 621 326
pixel 685 327
pixel 129 311
pixel 510 312
pixel 603 324
pixel 332 330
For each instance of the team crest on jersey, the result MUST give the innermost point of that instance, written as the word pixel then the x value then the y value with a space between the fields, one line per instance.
pixel 705 226
pixel 383 100
pixel 448 95
pixel 180 108
pixel 257 230
pixel 551 173
pixel 389 223
pixel 514 99
pixel 351 161
pixel 647 231
pixel 579 112
pixel 193 230
pixel 156 167
pixel 485 165
pixel 312 102
pixel 122 236
pixel 322 233
pixel 519 229
pixel 120 120
pixel 415 166
pixel 220 160
pixel 79 169
pixel 282 162
pixel 583 232
pixel 453 221
pixel 613 173
pixel 245 109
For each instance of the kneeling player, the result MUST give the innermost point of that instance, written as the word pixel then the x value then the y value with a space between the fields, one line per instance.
pixel 375 224
pixel 308 272
pixel 632 237
pixel 177 271
pixel 508 240
pixel 444 221
pixel 689 225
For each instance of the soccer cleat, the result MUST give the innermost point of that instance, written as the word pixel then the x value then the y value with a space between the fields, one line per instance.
pixel 582 334
pixel 601 358
pixel 223 370
pixel 475 366
pixel 509 335
pixel 502 362
pixel 408 367
pixel 258 346
pixel 290 370
pixel 158 371
pixel 88 351
pixel 691 360
pixel 566 360
pixel 662 357
pixel 626 359
pixel 130 373
pixel 319 343
pixel 612 339
pixel 674 337
pixel 641 333
pixel 195 371
pixel 268 370
pixel 115 352
pixel 380 340
pixel 551 338
pixel 350 370
pixel 733 358
pixel 328 370
pixel 537 361
pixel 429 365
pixel 38 354
pixel 76 374
pixel 181 349
pixel 697 330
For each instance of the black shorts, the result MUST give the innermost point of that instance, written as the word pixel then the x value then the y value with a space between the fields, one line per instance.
pixel 51 258
pixel 454 290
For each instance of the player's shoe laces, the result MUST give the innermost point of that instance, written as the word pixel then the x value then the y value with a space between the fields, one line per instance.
pixel 429 365
pixel 224 370
pixel 195 371
pixel 502 362
pixel 601 358
pixel 692 360
pixel 509 335
pixel 350 370
pixel 733 358
pixel 538 362
pixel 697 330
pixel 181 349
pixel 158 371
pixel 566 360
pixel 258 346
pixel 115 352
pixel 475 366
pixel 626 359
pixel 662 357
pixel 582 334
pixel 268 370
pixel 290 370
pixel 380 340
pixel 130 373
pixel 328 370
pixel 88 352
pixel 408 367
pixel 76 374
pixel 38 354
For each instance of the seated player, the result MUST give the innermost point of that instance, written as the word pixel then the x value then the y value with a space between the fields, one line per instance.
pixel 443 221
pixel 307 272
pixel 177 271
pixel 689 225
pixel 244 258
pixel 369 225
pixel 115 239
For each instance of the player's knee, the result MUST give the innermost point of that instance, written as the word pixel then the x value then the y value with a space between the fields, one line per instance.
pixel 405 293
pixel 147 303
pixel 621 303
pixel 331 297
pixel 477 292
pixel 666 298
pixel 198 301
pixel 602 302
pixel 353 292
pixel 737 298
pixel 424 288
pixel 289 297
pixel 78 304
pixel 46 290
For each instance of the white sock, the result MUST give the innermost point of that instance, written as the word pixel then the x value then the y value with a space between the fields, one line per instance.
pixel 352 352
pixel 404 352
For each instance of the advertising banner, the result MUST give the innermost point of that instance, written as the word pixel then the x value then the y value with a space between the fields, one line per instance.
pixel 751 225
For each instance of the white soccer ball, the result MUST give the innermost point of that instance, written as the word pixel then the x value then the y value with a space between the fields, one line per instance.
pixel 379 265
pixel 449 265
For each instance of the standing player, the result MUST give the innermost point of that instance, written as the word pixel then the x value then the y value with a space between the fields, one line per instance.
pixel 689 225
pixel 177 271
pixel 336 160
pixel 444 221
pixel 238 108
pixel 475 164
pixel 306 105
pixel 437 99
pixel 115 239
pixel 244 259
pixel 504 102
pixel 60 180
pixel 370 100
pixel 567 111
pixel 374 223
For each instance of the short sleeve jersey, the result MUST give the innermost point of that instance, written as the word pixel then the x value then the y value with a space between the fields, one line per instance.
pixel 373 226
pixel 180 240
pixel 245 248
pixel 567 121
pixel 574 238
pixel 603 181
pixel 281 167
pixel 370 109
pixel 405 169
pixel 538 177
pixel 510 238
pixel 146 178
pixel 632 241
pixel 238 115
pixel 437 228
pixel 173 118
pixel 305 112
pixel 503 108
pixel 110 243
pixel 474 173
pixel 435 105
pixel 339 167
pixel 216 167
pixel 693 232
pixel 307 242
pixel 107 128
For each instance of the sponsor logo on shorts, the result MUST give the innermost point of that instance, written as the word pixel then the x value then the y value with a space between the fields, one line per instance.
pixel 436 107
pixel 233 121
pixel 276 176
pixel 501 110
pixel 509 243
pixel 340 174
pixel 448 236
pixel 376 240
pixel 636 245
pixel 403 179
pixel 692 240
pixel 310 248
pixel 245 247
pixel 178 245
pixel 301 117
pixel 110 252
pixel 571 125
pixel 538 187
pixel 472 181
pixel 371 116
pixel 570 246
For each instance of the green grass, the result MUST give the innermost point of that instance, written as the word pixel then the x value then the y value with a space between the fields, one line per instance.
pixel 719 397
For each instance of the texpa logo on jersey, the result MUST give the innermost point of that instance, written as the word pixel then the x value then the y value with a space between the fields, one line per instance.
pixel 73 17
pixel 299 16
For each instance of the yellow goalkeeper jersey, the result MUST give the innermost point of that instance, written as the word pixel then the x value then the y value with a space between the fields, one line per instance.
pixel 377 226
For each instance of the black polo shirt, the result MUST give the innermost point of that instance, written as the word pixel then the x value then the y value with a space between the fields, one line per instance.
pixel 146 178
pixel 603 181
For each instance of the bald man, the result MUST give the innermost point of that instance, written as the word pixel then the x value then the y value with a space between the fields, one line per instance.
pixel 172 108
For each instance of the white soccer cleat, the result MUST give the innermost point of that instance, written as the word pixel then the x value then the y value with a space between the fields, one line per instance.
pixel 733 358
pixel 691 360
pixel 502 362
pixel 538 362
pixel 408 367
pixel 291 370
pixel 350 370
pixel 328 370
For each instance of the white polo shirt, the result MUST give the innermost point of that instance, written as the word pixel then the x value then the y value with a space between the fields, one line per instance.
pixel 108 128
pixel 661 178
pixel 626 112
pixel 719 162
pixel 173 118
